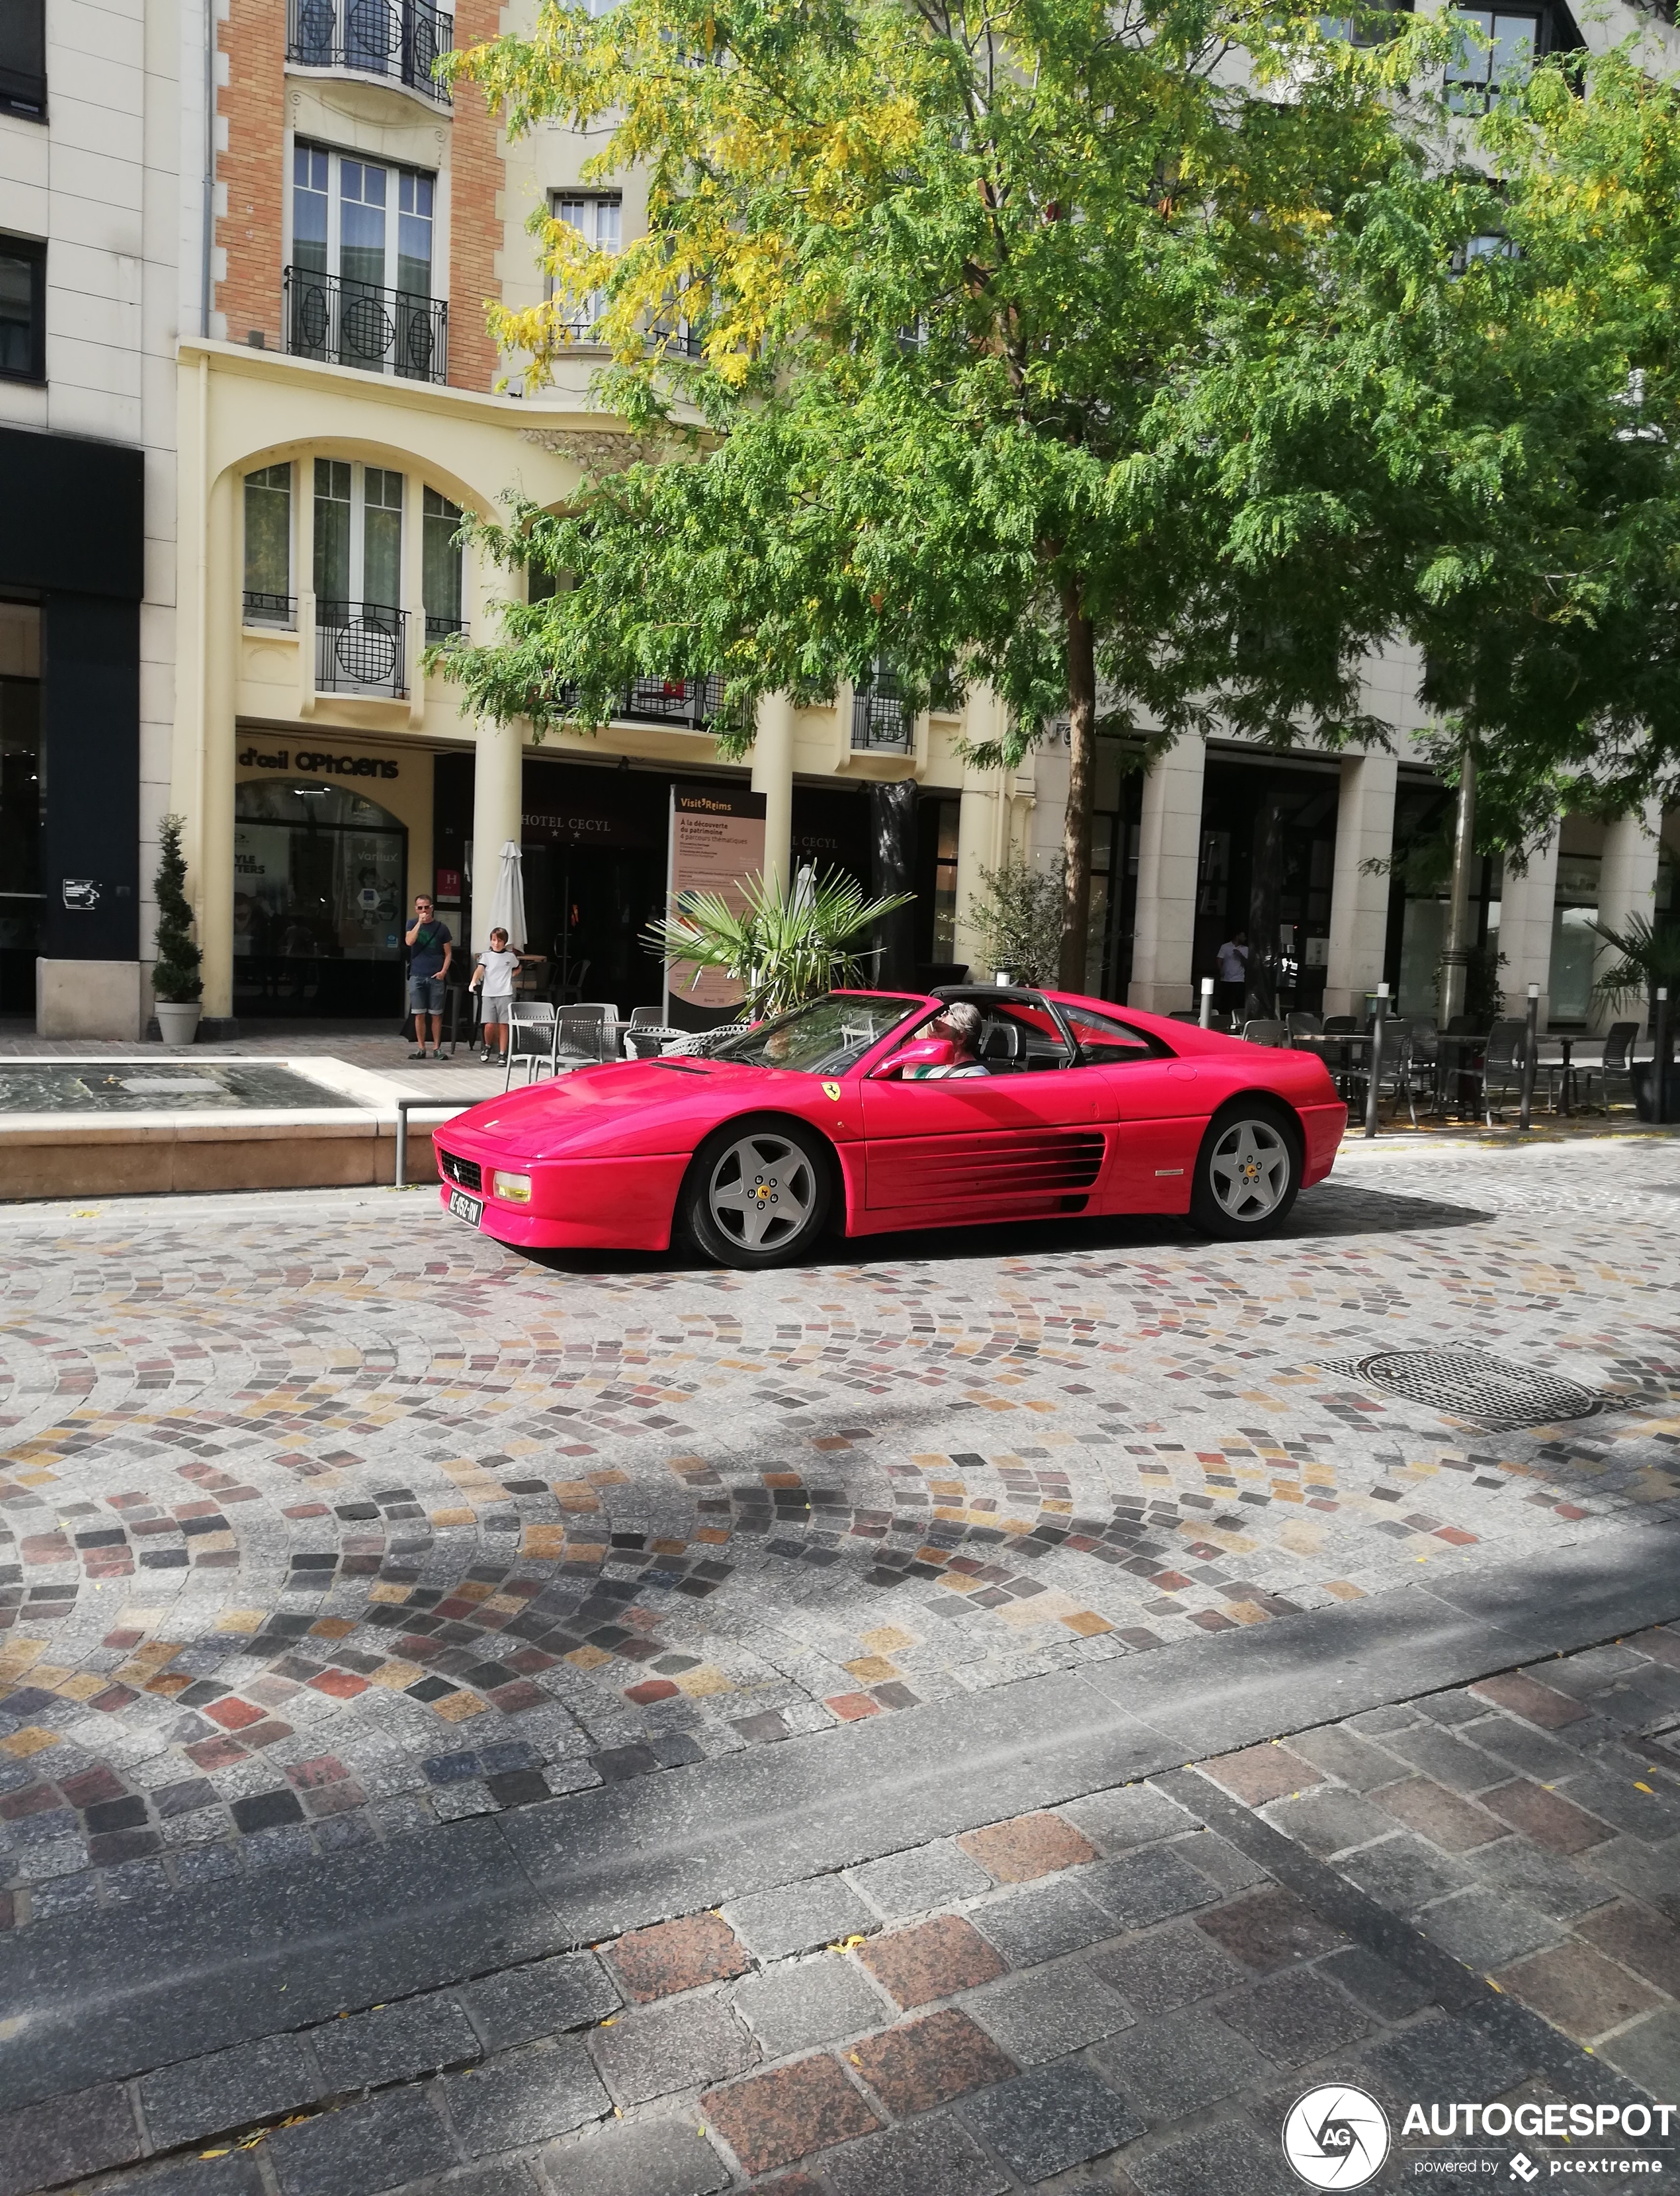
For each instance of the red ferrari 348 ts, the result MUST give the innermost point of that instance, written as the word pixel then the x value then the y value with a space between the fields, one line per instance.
pixel 858 1111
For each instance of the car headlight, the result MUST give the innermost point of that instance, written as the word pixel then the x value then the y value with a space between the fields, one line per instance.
pixel 513 1188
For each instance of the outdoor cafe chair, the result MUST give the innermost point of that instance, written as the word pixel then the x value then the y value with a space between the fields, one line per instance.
pixel 530 1038
pixel 701 1042
pixel 1618 1060
pixel 1264 1032
pixel 1502 1066
pixel 584 1035
pixel 1303 1025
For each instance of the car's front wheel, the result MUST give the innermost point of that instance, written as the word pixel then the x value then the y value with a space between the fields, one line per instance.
pixel 1248 1172
pixel 757 1194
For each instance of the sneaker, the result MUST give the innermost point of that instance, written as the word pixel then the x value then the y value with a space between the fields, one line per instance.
pixel 487 1055
pixel 420 1055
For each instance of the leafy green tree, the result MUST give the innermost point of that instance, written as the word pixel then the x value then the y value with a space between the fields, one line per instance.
pixel 939 339
pixel 175 976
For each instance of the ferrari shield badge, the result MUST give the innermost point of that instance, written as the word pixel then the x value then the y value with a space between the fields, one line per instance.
pixel 831 1090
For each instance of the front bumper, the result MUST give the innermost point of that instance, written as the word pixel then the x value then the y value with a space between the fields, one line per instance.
pixel 578 1203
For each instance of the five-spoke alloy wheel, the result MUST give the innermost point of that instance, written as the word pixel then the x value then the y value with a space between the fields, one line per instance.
pixel 1247 1173
pixel 757 1194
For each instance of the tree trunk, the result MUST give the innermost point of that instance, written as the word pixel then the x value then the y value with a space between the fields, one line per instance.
pixel 1081 774
pixel 1454 959
pixel 893 849
pixel 1265 879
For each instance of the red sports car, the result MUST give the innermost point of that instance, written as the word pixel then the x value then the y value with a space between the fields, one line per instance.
pixel 867 1109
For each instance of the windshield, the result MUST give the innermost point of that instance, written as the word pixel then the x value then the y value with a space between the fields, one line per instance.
pixel 824 1038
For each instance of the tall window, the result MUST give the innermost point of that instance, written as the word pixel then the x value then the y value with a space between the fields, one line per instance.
pixel 23 304
pixel 1496 53
pixel 23 58
pixel 370 224
pixel 268 546
pixel 360 275
pixel 598 220
pixel 440 565
pixel 358 537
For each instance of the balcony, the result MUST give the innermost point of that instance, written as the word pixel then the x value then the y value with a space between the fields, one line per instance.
pixel 361 648
pixel 351 323
pixel 879 721
pixel 692 704
pixel 262 608
pixel 400 40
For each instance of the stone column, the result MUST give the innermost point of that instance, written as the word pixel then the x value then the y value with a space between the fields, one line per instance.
pixel 1627 885
pixel 497 810
pixel 773 777
pixel 1525 932
pixel 221 642
pixel 1170 847
pixel 979 845
pixel 1359 899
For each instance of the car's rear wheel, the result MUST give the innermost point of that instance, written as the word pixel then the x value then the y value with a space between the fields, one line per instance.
pixel 1248 1172
pixel 757 1194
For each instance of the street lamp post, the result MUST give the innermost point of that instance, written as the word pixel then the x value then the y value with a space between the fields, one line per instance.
pixel 1531 1045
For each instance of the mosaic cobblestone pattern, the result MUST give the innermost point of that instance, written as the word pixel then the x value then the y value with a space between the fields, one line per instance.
pixel 170 1083
pixel 320 1522
pixel 1125 1994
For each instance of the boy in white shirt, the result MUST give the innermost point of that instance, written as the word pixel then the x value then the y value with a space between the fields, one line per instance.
pixel 495 973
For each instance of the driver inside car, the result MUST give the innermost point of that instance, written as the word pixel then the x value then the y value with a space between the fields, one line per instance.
pixel 959 1028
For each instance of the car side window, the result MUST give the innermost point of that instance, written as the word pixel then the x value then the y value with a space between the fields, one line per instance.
pixel 1104 1043
pixel 1015 1040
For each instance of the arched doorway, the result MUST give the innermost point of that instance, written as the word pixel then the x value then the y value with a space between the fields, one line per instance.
pixel 318 901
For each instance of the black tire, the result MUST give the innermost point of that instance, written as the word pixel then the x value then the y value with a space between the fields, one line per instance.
pixel 770 1220
pixel 1248 1172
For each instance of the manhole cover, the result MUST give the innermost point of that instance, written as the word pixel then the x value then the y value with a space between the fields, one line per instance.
pixel 1484 1390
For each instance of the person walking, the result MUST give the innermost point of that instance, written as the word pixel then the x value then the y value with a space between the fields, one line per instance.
pixel 1231 965
pixel 497 967
pixel 430 948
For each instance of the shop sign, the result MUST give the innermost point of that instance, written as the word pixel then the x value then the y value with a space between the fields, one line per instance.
pixel 717 843
pixel 314 762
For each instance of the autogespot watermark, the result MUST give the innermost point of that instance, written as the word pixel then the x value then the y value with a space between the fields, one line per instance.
pixel 1337 2137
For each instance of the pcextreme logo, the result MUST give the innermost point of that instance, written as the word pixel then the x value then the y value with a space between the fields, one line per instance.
pixel 1336 2137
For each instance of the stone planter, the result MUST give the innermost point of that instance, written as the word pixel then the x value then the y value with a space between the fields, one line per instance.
pixel 178 1019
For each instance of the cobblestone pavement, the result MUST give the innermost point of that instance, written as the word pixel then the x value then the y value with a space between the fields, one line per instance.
pixel 1128 1993
pixel 323 1519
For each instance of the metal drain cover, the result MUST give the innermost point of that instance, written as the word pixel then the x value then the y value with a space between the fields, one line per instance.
pixel 1484 1390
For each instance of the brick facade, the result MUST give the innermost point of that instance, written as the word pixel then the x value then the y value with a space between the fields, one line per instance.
pixel 251 170
pixel 476 177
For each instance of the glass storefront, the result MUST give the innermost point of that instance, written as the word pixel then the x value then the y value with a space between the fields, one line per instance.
pixel 318 901
pixel 19 805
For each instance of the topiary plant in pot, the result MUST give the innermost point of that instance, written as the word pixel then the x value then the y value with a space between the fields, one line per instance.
pixel 177 983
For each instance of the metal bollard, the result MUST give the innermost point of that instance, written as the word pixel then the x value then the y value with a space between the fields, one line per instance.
pixel 1663 1035
pixel 1207 1002
pixel 1374 1081
pixel 1530 1046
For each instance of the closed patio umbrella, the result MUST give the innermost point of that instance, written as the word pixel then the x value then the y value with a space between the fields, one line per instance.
pixel 507 906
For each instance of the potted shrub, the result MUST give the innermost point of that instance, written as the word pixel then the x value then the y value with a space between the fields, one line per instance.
pixel 1018 922
pixel 1649 958
pixel 782 947
pixel 177 983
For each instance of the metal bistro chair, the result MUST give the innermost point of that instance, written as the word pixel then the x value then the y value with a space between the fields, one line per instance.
pixel 584 1035
pixel 637 1046
pixel 530 1038
pixel 1303 1025
pixel 1618 1060
pixel 700 1043
pixel 1272 1033
pixel 1502 1066
pixel 1399 1075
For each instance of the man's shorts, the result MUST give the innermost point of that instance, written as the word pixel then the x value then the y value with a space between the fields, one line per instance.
pixel 425 995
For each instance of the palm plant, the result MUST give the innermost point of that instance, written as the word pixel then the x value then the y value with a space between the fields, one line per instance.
pixel 782 947
pixel 1649 957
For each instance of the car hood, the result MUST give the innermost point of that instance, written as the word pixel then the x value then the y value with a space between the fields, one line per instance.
pixel 626 1106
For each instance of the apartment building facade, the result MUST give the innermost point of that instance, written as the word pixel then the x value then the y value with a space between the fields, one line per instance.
pixel 252 254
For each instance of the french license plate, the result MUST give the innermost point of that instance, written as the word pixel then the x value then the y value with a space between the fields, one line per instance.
pixel 470 1209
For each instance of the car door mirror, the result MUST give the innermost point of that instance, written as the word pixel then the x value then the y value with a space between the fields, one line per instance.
pixel 915 1058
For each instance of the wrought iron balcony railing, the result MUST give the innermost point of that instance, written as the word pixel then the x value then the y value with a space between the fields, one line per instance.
pixel 694 704
pixel 400 39
pixel 361 648
pixel 351 323
pixel 878 717
pixel 263 609
pixel 440 625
